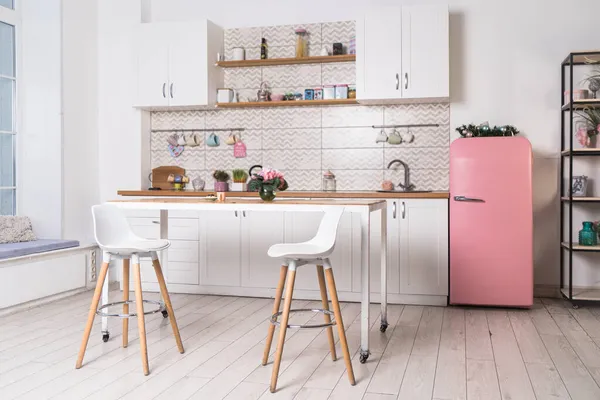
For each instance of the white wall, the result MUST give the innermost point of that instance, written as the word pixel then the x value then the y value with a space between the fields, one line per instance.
pixel 505 58
pixel 39 140
pixel 80 117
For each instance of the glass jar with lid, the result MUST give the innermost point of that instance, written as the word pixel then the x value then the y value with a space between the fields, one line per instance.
pixel 328 182
pixel 301 43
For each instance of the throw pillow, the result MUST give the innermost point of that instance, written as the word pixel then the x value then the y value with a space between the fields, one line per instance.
pixel 15 229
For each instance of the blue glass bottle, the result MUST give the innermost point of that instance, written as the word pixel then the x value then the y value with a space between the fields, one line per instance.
pixel 588 235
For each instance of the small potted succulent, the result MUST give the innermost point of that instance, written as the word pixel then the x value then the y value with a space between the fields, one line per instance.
pixel 266 182
pixel 240 177
pixel 221 181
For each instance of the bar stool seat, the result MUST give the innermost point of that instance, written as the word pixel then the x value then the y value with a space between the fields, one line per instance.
pixel 315 251
pixel 118 242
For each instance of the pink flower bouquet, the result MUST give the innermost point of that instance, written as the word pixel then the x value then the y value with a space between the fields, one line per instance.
pixel 269 179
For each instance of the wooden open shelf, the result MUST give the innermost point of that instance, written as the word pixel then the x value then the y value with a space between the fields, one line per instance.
pixel 287 61
pixel 584 57
pixel 577 247
pixel 290 103
pixel 581 104
pixel 582 294
pixel 582 199
pixel 581 152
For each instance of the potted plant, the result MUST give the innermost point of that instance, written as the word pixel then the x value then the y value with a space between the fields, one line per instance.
pixel 588 127
pixel 266 182
pixel 240 177
pixel 221 181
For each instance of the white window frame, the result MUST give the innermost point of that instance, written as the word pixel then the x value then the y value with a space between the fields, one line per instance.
pixel 13 17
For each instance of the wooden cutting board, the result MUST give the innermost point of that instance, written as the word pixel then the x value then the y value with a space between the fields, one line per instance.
pixel 160 175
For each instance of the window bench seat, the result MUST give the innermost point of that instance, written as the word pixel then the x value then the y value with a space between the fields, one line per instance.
pixel 11 250
pixel 32 273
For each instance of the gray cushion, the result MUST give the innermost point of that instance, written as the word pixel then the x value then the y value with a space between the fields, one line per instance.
pixel 15 229
pixel 9 250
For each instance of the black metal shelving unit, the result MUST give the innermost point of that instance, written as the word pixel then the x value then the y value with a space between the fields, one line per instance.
pixel 568 153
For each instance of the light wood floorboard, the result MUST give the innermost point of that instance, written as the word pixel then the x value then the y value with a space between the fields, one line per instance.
pixel 550 351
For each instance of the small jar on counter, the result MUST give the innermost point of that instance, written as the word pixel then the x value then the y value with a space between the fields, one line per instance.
pixel 329 181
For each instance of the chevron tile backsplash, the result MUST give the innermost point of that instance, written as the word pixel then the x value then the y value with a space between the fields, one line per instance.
pixel 304 142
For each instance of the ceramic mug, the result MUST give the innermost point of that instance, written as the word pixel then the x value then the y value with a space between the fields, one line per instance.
pixel 213 140
pixel 394 138
pixel 238 54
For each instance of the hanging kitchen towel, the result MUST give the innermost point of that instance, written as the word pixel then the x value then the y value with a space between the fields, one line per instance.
pixel 239 148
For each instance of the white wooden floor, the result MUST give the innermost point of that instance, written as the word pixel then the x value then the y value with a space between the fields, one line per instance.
pixel 549 352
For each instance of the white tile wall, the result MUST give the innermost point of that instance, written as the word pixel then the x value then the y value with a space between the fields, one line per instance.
pixel 303 142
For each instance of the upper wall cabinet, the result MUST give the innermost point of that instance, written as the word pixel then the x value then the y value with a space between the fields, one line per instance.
pixel 176 64
pixel 403 55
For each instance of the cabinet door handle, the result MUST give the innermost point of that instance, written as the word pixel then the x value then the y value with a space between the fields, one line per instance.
pixel 403 210
pixel 235 213
pixel 394 210
pixel 164 88
pixel 171 90
pixel 406 80
pixel 244 213
pixel 156 222
pixel 397 81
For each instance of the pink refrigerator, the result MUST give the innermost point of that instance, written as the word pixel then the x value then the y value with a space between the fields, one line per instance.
pixel 491 222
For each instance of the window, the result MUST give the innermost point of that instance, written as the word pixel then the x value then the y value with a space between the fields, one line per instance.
pixel 8 124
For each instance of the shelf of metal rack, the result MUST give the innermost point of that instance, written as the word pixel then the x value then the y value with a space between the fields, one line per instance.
pixel 568 153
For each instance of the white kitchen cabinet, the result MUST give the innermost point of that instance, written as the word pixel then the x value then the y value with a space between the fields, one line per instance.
pixel 219 250
pixel 260 230
pixel 402 54
pixel 176 64
pixel 425 52
pixel 421 254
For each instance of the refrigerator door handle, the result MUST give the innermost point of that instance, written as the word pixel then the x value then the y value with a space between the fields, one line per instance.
pixel 471 199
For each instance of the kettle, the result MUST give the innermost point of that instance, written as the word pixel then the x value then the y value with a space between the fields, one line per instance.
pixel 252 168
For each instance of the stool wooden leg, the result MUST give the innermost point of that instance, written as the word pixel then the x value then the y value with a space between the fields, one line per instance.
pixel 167 300
pixel 140 317
pixel 340 324
pixel 325 301
pixel 125 298
pixel 291 277
pixel 92 313
pixel 276 304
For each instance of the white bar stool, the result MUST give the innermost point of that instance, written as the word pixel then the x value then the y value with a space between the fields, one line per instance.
pixel 117 241
pixel 315 251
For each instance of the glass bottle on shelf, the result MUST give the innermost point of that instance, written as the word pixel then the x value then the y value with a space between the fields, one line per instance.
pixel 301 43
pixel 588 235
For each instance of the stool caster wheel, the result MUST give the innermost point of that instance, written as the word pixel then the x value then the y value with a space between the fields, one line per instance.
pixel 165 314
pixel 105 337
pixel 575 306
pixel 363 356
pixel 383 327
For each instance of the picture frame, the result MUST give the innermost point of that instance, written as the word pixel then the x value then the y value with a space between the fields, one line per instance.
pixel 579 186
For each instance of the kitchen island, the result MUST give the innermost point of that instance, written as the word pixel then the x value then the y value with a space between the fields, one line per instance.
pixel 362 208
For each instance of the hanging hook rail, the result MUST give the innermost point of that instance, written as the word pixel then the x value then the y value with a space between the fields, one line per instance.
pixel 199 130
pixel 406 126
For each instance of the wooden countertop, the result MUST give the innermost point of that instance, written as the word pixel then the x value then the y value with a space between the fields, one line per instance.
pixel 257 201
pixel 293 194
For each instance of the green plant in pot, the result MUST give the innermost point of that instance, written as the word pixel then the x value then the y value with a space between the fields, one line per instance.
pixel 240 177
pixel 588 127
pixel 221 181
pixel 267 182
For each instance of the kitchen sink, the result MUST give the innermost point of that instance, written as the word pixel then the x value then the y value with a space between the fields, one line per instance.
pixel 402 191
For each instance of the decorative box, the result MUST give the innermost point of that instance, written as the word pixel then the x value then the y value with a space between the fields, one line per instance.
pixel 329 92
pixel 318 95
pixel 341 91
pixel 309 94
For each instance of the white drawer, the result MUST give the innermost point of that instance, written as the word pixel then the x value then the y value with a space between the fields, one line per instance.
pixel 183 251
pixel 129 213
pixel 183 273
pixel 183 214
pixel 183 229
pixel 147 228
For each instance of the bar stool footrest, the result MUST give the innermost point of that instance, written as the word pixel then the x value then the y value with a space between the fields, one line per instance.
pixel 160 304
pixel 274 317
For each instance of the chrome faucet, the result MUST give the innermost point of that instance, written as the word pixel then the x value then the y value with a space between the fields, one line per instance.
pixel 407 187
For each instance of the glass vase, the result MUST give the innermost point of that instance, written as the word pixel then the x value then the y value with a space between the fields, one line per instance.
pixel 266 194
pixel 588 235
